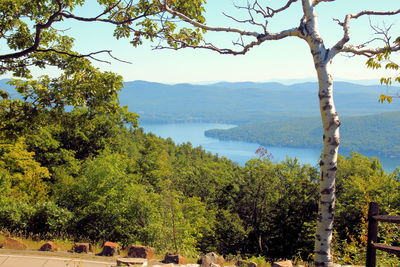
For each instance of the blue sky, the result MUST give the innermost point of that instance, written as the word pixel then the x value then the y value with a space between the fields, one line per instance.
pixel 276 60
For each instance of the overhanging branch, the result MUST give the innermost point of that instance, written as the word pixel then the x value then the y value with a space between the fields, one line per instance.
pixel 203 26
pixel 261 37
pixel 58 15
pixel 90 55
pixel 39 28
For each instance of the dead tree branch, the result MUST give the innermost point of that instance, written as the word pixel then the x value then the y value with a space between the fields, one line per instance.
pixel 203 26
pixel 341 46
pixel 90 55
pixel 261 37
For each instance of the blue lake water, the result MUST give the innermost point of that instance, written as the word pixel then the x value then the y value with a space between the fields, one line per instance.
pixel 237 151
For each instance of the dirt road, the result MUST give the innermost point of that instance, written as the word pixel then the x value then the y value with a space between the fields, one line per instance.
pixel 42 261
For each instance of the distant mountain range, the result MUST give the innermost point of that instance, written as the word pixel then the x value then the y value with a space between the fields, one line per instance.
pixel 243 102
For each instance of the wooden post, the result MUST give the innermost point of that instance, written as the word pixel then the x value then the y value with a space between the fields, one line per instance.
pixel 372 234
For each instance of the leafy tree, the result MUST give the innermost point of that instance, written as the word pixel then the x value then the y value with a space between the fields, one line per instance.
pixel 359 181
pixel 277 205
pixel 108 205
pixel 49 220
pixel 258 17
pixel 22 173
pixel 185 220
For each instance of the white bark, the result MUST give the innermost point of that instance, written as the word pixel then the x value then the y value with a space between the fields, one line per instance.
pixel 328 165
pixel 330 121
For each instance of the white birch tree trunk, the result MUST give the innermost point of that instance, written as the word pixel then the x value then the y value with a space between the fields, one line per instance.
pixel 328 166
pixel 330 121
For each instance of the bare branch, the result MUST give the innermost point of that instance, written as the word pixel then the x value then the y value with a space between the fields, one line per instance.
pixel 245 47
pixel 266 12
pixel 375 13
pixel 271 12
pixel 240 42
pixel 360 49
pixel 381 32
pixel 203 26
pixel 250 21
pixel 90 55
pixel 368 52
pixel 280 35
pixel 210 46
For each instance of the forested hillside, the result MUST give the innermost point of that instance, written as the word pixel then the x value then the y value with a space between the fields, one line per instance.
pixel 240 103
pixel 85 174
pixel 373 134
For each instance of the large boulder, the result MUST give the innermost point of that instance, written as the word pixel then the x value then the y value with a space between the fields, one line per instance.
pixel 287 263
pixel 131 262
pixel 210 259
pixel 110 249
pixel 173 257
pixel 82 248
pixel 11 243
pixel 48 246
pixel 139 251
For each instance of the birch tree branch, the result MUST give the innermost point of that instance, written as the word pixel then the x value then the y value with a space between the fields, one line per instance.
pixel 266 12
pixel 340 46
pixel 203 26
pixel 356 50
pixel 266 36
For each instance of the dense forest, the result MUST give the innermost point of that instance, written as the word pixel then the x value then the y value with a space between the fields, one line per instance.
pixel 90 173
pixel 370 134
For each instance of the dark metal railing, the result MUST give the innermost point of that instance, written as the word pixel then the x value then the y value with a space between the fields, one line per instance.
pixel 373 245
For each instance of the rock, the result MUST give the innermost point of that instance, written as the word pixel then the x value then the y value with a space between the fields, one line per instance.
pixel 11 243
pixel 173 257
pixel 82 247
pixel 209 259
pixel 163 265
pixel 110 249
pixel 130 261
pixel 48 246
pixel 138 251
pixel 287 263
pixel 241 263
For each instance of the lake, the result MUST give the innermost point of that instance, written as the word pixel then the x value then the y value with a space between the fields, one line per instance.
pixel 237 151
